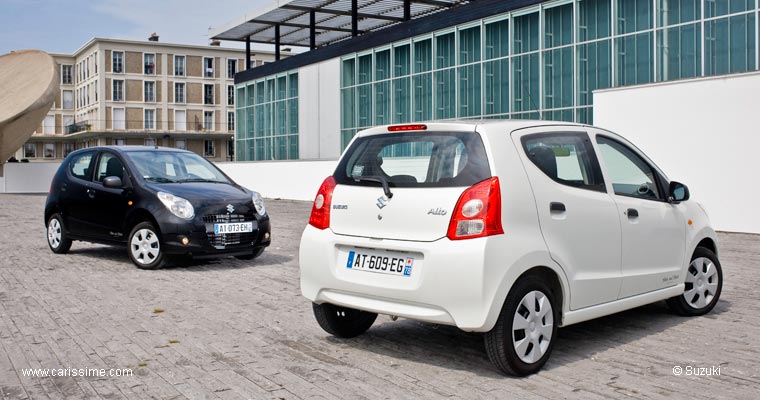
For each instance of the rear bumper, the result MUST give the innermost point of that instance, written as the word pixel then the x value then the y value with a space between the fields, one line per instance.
pixel 450 284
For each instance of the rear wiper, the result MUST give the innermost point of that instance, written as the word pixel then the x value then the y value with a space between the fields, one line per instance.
pixel 377 179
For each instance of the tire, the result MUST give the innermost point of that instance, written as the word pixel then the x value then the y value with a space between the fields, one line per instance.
pixel 144 246
pixel 503 341
pixel 342 321
pixel 57 239
pixel 704 283
pixel 256 252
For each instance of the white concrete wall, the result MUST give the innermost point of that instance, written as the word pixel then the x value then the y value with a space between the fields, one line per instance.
pixel 28 177
pixel 319 110
pixel 702 132
pixel 295 180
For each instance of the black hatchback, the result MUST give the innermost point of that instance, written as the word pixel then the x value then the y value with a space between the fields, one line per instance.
pixel 160 202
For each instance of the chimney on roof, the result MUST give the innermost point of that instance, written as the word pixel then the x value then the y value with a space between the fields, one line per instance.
pixel 215 42
pixel 153 37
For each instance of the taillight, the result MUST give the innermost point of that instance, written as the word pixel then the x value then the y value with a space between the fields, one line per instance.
pixel 478 212
pixel 320 210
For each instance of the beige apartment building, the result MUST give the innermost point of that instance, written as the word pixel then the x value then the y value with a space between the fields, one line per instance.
pixel 125 92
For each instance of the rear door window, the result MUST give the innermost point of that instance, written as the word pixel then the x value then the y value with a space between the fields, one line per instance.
pixel 416 160
pixel 566 158
pixel 79 165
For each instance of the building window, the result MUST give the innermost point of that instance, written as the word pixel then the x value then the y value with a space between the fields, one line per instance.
pixel 117 91
pixel 66 74
pixel 179 92
pixel 208 120
pixel 231 68
pixel 150 142
pixel 230 95
pixel 179 65
pixel 208 67
pixel 149 91
pixel 117 62
pixel 209 148
pixel 67 98
pixel 49 150
pixel 180 144
pixel 48 125
pixel 230 121
pixel 67 149
pixel 30 150
pixel 149 121
pixel 119 142
pixel 208 94
pixel 149 61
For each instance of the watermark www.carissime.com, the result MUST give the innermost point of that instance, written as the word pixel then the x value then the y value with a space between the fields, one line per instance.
pixel 690 370
pixel 75 372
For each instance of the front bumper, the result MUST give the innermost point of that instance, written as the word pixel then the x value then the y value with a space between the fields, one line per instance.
pixel 203 243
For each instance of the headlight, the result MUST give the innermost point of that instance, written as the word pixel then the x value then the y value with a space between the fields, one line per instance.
pixel 177 205
pixel 258 202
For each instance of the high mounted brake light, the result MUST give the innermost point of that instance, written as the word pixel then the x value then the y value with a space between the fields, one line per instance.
pixel 478 212
pixel 398 128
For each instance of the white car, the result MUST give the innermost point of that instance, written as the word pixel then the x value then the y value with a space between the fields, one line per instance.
pixel 512 228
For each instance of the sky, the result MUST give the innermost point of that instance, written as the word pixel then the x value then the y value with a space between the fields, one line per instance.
pixel 58 26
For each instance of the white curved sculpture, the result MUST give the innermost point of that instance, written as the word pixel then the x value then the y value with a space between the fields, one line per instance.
pixel 29 82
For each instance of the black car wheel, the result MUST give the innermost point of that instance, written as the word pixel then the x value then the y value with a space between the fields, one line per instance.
pixel 254 254
pixel 145 246
pixel 57 239
pixel 342 321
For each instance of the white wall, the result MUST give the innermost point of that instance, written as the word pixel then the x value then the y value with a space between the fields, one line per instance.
pixel 702 132
pixel 294 180
pixel 319 110
pixel 28 177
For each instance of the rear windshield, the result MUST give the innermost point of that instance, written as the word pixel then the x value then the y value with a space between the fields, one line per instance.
pixel 415 160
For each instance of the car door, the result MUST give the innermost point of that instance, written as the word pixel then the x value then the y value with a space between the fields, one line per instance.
pixel 74 193
pixel 109 205
pixel 578 218
pixel 653 230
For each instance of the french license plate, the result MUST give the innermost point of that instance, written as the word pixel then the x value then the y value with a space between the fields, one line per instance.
pixel 389 263
pixel 235 227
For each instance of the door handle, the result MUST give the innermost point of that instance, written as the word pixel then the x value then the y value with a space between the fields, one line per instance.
pixel 632 213
pixel 557 207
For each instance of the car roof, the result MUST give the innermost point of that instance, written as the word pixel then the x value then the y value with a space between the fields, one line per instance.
pixel 131 149
pixel 470 125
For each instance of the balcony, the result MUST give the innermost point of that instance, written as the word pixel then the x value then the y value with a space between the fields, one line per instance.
pixel 77 127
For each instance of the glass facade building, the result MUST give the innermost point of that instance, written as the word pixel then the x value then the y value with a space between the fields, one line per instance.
pixel 267 118
pixel 544 62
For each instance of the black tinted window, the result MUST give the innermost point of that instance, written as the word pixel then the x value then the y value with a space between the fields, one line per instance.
pixel 79 165
pixel 567 158
pixel 416 160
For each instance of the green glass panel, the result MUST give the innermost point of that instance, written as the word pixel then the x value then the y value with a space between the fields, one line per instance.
pixel 364 106
pixel 445 51
pixel 526 93
pixel 558 78
pixel 671 12
pixel 526 33
pixel 348 108
pixel 594 69
pixel 345 137
pixel 730 45
pixel 584 115
pixel 401 100
pixel 469 45
pixel 382 65
pixel 497 39
pixel 469 90
pixel 558 26
pixel 270 92
pixel 716 8
pixel 382 103
pixel 401 60
pixel 282 87
pixel 594 19
pixel 634 59
pixel 293 85
pixel 249 121
pixel 496 77
pixel 559 115
pixel 260 91
pixel 423 55
pixel 260 117
pixel 679 52
pixel 634 15
pixel 423 97
pixel 280 118
pixel 445 94
pixel 364 69
pixel 293 147
pixel 527 115
pixel 293 116
pixel 348 73
pixel 240 97
pixel 240 150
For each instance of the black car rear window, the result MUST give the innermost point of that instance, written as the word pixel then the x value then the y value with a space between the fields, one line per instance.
pixel 434 159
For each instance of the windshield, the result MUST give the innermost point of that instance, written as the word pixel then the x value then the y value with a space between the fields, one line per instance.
pixel 175 167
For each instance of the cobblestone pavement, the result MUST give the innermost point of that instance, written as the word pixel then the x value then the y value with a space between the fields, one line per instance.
pixel 236 330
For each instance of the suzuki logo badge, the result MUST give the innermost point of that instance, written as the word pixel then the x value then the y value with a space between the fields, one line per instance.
pixel 381 202
pixel 230 208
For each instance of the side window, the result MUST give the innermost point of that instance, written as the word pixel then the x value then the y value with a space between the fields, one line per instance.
pixel 629 173
pixel 79 165
pixel 109 165
pixel 566 158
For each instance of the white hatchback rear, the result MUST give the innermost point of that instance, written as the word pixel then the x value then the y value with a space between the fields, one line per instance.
pixel 511 228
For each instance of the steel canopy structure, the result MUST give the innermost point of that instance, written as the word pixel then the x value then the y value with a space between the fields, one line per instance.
pixel 316 23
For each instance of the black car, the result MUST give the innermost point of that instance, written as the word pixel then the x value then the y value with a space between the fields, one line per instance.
pixel 160 202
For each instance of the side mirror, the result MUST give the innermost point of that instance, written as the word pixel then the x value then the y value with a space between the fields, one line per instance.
pixel 677 192
pixel 113 182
